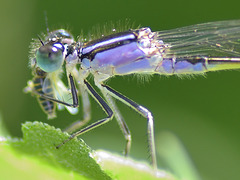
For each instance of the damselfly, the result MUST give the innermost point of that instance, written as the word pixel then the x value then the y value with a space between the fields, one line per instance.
pixel 189 50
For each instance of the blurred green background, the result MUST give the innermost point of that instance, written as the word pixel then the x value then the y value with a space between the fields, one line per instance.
pixel 203 112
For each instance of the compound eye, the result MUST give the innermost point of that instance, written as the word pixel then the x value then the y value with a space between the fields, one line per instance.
pixel 50 56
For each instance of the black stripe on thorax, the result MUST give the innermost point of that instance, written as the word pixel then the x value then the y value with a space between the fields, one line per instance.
pixel 91 48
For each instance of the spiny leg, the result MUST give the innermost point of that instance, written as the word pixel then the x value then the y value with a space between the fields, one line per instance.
pixel 144 112
pixel 105 107
pixel 86 111
pixel 120 120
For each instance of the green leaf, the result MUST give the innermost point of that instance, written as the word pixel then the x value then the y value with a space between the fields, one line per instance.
pixel 36 157
pixel 40 140
pixel 14 165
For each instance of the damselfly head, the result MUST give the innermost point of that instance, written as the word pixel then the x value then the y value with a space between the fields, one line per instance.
pixel 50 57
pixel 61 34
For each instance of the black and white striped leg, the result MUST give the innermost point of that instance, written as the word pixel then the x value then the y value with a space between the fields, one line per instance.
pixel 86 111
pixel 120 120
pixel 145 113
pixel 105 107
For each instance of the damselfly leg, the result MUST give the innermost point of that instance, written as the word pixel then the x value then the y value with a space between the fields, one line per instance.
pixel 105 107
pixel 86 111
pixel 142 111
pixel 121 122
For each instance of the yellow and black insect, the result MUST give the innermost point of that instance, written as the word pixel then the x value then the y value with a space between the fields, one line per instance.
pixel 40 85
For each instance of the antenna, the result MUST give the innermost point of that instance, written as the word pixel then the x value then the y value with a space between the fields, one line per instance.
pixel 40 40
pixel 46 21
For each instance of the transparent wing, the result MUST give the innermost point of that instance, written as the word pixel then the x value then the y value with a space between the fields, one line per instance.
pixel 47 87
pixel 214 39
